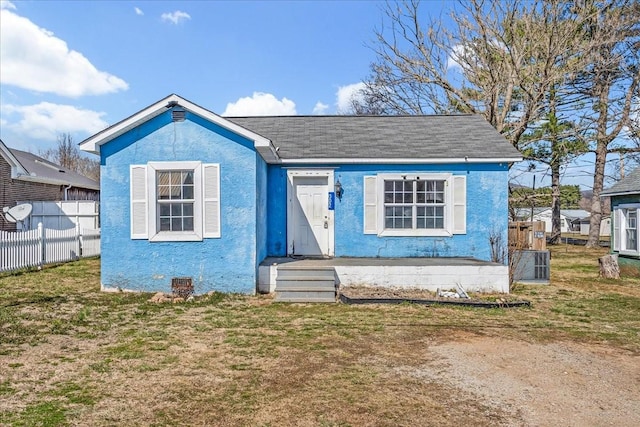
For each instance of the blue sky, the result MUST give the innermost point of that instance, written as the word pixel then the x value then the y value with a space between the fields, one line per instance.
pixel 70 66
pixel 80 66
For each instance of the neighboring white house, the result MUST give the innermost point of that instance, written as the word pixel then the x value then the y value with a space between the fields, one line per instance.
pixel 605 226
pixel 568 217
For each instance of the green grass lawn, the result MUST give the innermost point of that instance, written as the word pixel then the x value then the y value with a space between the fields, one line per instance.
pixel 72 355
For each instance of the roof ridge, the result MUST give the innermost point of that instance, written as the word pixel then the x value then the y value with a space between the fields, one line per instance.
pixel 351 116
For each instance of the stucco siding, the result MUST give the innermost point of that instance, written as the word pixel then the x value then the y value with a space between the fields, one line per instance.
pixel 277 211
pixel 226 264
pixel 486 213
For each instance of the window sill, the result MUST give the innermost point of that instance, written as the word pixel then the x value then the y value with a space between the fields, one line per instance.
pixel 415 233
pixel 626 253
pixel 175 236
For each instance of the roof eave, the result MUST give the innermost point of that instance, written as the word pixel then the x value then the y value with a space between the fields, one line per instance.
pixel 53 181
pixel 620 193
pixel 400 160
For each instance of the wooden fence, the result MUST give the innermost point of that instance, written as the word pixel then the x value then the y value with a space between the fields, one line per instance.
pixel 527 235
pixel 35 248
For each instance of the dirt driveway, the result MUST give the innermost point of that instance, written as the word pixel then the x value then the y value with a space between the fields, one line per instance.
pixel 540 384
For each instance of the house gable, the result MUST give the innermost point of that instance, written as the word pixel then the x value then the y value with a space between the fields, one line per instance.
pixel 177 104
pixel 180 198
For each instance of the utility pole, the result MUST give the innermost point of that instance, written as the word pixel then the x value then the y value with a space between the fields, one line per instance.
pixel 533 198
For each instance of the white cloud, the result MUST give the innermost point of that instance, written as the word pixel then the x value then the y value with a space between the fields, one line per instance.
pixel 454 56
pixel 261 104
pixel 139 11
pixel 347 94
pixel 320 108
pixel 5 4
pixel 46 120
pixel 33 58
pixel 175 17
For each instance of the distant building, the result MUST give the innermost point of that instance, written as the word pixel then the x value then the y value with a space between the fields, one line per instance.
pixel 625 210
pixel 568 218
pixel 26 177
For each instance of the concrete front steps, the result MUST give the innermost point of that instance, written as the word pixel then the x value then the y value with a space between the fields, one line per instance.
pixel 305 284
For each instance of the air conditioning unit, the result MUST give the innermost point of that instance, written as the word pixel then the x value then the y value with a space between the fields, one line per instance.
pixel 531 266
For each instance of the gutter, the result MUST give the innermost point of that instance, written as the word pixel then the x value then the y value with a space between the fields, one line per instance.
pixel 399 160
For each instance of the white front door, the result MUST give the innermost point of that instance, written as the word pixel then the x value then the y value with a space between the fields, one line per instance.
pixel 310 216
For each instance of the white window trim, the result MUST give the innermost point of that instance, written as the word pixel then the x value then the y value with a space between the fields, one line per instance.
pixel 446 231
pixel 174 236
pixel 621 228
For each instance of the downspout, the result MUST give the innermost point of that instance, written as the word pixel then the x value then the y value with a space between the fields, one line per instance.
pixel 66 197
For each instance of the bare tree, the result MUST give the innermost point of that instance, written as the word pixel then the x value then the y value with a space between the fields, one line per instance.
pixel 507 56
pixel 66 154
pixel 609 86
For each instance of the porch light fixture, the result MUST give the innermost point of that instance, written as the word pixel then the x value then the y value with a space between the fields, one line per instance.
pixel 338 189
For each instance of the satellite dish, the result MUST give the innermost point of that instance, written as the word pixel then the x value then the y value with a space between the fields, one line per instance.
pixel 17 213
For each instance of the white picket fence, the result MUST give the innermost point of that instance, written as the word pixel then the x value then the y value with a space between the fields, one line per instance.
pixel 35 248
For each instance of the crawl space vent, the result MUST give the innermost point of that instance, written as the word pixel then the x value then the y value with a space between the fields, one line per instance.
pixel 182 287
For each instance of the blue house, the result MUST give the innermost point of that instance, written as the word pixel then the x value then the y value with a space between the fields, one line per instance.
pixel 230 203
pixel 625 210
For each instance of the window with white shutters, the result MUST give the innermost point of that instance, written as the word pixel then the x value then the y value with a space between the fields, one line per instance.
pixel 415 204
pixel 175 201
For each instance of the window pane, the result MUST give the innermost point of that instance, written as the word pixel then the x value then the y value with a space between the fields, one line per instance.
pixel 632 230
pixel 420 192
pixel 187 192
pixel 163 178
pixel 187 209
pixel 176 178
pixel 187 177
pixel 431 217
pixel 165 224
pixel 175 193
pixel 165 210
pixel 398 217
pixel 176 209
pixel 632 218
pixel 188 224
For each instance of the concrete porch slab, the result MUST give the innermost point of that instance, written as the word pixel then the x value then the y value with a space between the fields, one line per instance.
pixel 415 273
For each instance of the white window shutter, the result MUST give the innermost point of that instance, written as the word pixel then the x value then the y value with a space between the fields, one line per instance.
pixel 211 200
pixel 618 218
pixel 139 203
pixel 370 205
pixel 459 204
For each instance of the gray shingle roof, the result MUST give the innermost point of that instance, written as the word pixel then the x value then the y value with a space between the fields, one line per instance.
pixel 52 173
pixel 381 137
pixel 630 184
